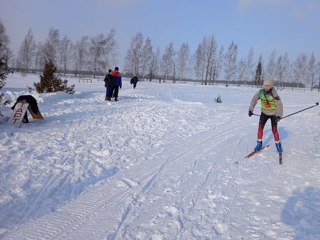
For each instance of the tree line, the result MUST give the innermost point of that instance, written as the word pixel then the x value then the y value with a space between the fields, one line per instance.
pixel 210 63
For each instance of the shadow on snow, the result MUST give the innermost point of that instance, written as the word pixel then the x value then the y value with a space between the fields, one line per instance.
pixel 302 212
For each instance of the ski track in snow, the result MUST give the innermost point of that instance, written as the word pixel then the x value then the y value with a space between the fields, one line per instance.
pixel 158 164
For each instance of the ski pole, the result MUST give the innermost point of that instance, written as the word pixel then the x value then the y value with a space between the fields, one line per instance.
pixel 316 104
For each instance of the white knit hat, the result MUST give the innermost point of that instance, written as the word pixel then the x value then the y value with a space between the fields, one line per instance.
pixel 268 82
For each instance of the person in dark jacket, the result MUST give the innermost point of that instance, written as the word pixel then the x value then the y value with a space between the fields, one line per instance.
pixel 32 108
pixel 109 84
pixel 117 82
pixel 134 81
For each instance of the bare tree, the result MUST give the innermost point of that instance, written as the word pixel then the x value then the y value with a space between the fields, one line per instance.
pixel 245 70
pixel 183 60
pixel 27 52
pixel 167 64
pixel 206 60
pixel 281 70
pixel 270 69
pixel 65 51
pixel 81 50
pixel 39 59
pixel 97 54
pixel 318 75
pixel 217 65
pixel 299 69
pixel 231 62
pixel 249 73
pixel 242 69
pixel 147 56
pixel 51 46
pixel 110 49
pixel 155 65
pixel 210 47
pixel 311 71
pixel 199 63
pixel 133 59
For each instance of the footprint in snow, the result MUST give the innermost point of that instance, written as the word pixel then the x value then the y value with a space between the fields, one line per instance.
pixel 171 211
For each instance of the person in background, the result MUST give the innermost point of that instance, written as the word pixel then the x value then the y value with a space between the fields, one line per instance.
pixel 134 81
pixel 109 84
pixel 271 108
pixel 118 83
pixel 32 108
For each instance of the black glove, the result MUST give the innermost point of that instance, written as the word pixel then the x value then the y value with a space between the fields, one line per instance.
pixel 250 113
pixel 278 119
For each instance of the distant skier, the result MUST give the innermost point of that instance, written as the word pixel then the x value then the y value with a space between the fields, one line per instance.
pixel 271 107
pixel 134 81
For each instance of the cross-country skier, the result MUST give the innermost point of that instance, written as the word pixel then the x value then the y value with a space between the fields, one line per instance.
pixel 271 107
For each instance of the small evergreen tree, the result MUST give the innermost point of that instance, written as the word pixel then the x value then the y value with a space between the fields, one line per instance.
pixel 3 74
pixel 49 82
pixel 258 77
pixel 4 56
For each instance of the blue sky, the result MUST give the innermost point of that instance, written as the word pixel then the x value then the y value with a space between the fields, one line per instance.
pixel 266 25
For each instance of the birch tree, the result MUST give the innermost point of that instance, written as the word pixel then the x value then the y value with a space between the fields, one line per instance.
pixel 299 69
pixel 81 50
pixel 183 61
pixel 270 69
pixel 210 54
pixel 26 53
pixel 217 65
pixel 65 52
pixel 155 65
pixel 51 46
pixel 231 62
pixel 311 71
pixel 318 75
pixel 282 69
pixel 167 64
pixel 110 50
pixel 199 62
pixel 249 73
pixel 133 59
pixel 147 57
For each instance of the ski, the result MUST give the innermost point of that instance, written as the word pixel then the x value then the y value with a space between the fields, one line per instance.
pixel 255 152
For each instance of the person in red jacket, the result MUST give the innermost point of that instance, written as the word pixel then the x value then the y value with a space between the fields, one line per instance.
pixel 118 83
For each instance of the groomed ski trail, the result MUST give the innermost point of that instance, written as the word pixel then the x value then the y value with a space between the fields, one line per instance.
pixel 102 207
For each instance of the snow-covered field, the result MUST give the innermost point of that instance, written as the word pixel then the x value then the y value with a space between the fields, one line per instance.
pixel 164 162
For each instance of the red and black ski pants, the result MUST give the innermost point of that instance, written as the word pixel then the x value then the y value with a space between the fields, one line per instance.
pixel 274 125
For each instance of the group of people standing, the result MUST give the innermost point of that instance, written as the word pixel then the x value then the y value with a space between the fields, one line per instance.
pixel 112 82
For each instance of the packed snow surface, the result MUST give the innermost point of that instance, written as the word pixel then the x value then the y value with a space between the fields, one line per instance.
pixel 164 162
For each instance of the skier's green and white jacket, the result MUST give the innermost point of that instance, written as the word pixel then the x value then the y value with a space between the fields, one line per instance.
pixel 271 103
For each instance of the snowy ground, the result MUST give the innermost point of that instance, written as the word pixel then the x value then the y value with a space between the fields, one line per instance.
pixel 165 162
